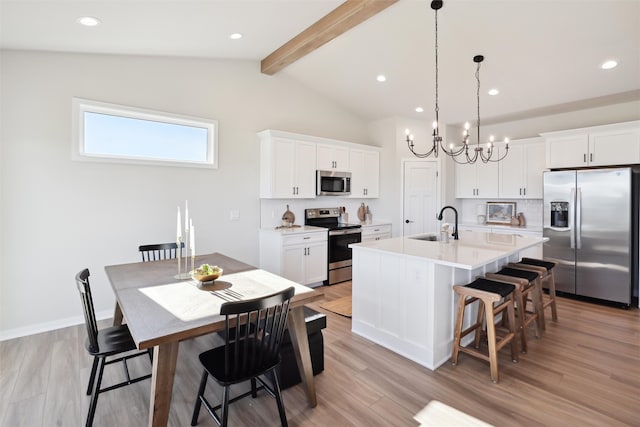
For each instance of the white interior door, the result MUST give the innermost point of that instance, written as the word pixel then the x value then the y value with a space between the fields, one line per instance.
pixel 420 197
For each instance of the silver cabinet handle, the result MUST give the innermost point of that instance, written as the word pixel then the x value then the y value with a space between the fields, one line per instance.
pixel 591 157
pixel 584 158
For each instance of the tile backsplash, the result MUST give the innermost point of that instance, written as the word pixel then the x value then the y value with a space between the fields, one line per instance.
pixel 531 209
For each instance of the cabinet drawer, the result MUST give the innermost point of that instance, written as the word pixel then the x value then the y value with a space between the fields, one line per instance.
pixel 377 229
pixel 302 238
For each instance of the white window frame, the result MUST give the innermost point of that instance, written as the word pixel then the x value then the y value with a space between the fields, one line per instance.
pixel 81 106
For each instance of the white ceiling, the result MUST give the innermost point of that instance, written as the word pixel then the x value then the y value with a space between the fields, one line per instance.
pixel 543 55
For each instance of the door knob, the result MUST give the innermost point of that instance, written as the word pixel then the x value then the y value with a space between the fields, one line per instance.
pixel 407 221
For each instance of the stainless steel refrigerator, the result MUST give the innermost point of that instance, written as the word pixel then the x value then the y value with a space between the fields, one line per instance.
pixel 591 220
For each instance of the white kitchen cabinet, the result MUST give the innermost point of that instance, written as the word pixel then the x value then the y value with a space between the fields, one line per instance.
pixel 520 173
pixel 287 167
pixel 364 166
pixel 608 145
pixel 371 233
pixel 332 157
pixel 477 181
pixel 297 256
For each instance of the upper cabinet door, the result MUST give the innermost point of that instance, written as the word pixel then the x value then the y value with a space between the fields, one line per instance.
pixel 487 176
pixel 621 147
pixel 305 174
pixel 332 158
pixel 282 167
pixel 534 161
pixel 567 151
pixel 466 181
pixel 511 173
pixel 364 166
pixel 521 171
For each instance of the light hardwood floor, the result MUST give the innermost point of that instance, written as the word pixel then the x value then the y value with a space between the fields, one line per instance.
pixel 584 371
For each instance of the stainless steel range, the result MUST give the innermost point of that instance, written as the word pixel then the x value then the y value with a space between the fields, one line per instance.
pixel 341 235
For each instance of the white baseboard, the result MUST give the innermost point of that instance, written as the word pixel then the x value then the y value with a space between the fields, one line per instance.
pixel 50 326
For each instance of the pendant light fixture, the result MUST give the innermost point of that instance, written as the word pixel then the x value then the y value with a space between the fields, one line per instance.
pixel 459 154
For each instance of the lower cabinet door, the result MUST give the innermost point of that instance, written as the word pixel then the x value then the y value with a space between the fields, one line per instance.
pixel 293 263
pixel 316 263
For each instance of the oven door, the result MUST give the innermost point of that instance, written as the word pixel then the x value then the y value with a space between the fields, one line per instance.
pixel 340 254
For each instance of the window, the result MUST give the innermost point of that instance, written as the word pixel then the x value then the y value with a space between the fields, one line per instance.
pixel 117 133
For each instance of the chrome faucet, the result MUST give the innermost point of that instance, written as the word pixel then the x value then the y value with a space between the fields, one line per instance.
pixel 455 228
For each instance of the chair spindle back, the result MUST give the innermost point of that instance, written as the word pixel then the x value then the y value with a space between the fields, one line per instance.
pixel 259 329
pixel 82 282
pixel 160 251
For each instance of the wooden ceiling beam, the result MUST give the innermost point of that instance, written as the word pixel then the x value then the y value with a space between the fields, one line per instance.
pixel 346 16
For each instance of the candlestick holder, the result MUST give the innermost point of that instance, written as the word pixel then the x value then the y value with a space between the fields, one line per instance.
pixel 185 274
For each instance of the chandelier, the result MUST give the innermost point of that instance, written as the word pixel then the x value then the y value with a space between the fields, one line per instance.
pixel 460 154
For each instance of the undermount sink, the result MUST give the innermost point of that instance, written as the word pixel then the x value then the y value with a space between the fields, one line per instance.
pixel 425 237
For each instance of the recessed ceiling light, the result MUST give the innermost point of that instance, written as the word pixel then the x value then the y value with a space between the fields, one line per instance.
pixel 88 21
pixel 607 65
pixel 381 78
pixel 419 109
pixel 493 92
pixel 235 36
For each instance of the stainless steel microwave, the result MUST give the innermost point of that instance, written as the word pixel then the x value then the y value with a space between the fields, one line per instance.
pixel 333 183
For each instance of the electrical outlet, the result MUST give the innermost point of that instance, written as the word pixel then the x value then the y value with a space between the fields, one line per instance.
pixel 234 215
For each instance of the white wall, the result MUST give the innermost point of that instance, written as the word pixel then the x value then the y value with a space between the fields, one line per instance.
pixel 59 216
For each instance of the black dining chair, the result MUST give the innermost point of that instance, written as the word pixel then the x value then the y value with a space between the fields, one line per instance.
pixel 104 343
pixel 249 354
pixel 160 251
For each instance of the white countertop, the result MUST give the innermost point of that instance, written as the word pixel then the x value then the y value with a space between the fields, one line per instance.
pixel 473 250
pixel 294 230
pixel 375 223
pixel 528 228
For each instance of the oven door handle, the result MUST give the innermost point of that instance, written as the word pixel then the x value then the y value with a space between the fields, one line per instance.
pixel 341 232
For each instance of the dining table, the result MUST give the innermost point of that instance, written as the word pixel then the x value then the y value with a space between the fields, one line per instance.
pixel 161 311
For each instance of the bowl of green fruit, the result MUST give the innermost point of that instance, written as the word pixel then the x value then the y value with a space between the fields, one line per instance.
pixel 206 273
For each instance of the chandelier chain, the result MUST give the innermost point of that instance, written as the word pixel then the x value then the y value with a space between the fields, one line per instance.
pixel 478 98
pixel 436 42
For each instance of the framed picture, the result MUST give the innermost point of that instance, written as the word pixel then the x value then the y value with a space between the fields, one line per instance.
pixel 500 212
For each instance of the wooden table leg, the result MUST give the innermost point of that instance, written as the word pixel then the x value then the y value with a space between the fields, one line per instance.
pixel 165 357
pixel 117 315
pixel 300 342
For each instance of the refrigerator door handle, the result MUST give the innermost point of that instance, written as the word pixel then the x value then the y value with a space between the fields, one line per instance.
pixel 578 226
pixel 572 231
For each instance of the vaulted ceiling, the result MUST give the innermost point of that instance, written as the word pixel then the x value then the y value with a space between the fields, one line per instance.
pixel 542 55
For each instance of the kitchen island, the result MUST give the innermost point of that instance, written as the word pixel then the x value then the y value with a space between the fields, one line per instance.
pixel 402 288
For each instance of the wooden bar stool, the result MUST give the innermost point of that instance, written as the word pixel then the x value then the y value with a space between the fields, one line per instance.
pixel 528 288
pixel 545 269
pixel 487 293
